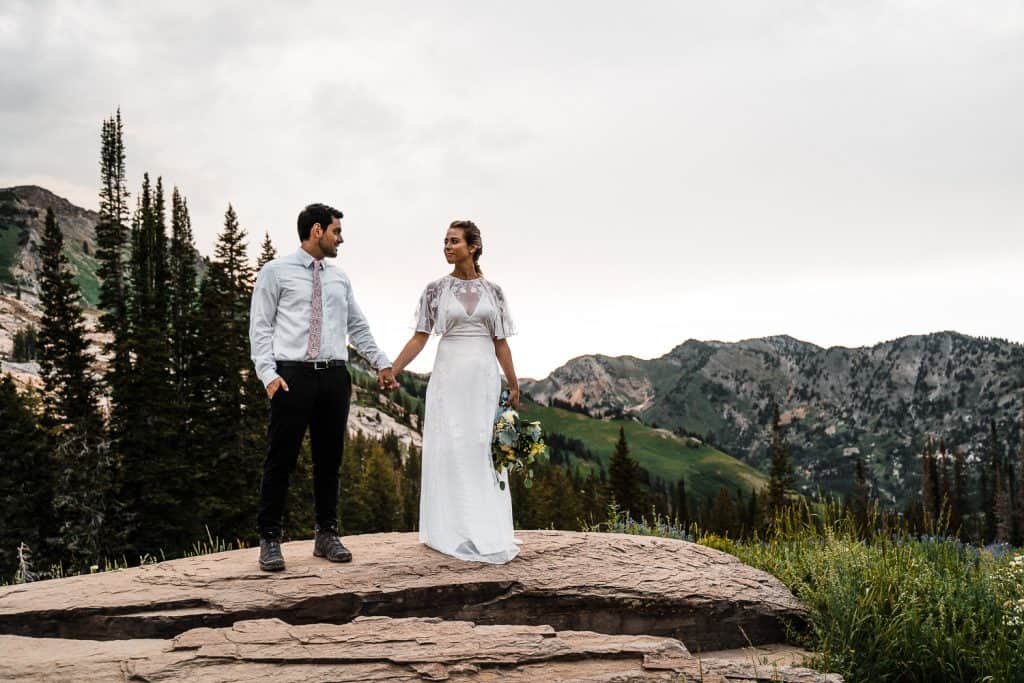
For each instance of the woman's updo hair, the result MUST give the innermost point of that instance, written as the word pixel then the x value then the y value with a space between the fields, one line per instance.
pixel 471 234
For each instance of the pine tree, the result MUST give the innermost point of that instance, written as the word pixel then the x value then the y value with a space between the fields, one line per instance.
pixel 723 514
pixel 860 499
pixel 681 504
pixel 780 479
pixel 989 482
pixel 182 292
pixel 154 487
pixel 379 492
pixel 754 516
pixel 267 252
pixel 26 479
pixel 229 425
pixel 111 250
pixel 623 478
pixel 958 507
pixel 1020 485
pixel 70 396
pixel 554 502
pixel 411 472
pixel 352 510
pixel 929 483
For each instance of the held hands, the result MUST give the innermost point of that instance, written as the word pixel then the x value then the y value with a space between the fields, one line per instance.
pixel 386 379
pixel 513 397
pixel 278 383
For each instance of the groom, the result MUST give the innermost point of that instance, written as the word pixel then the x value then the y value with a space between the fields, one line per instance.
pixel 302 313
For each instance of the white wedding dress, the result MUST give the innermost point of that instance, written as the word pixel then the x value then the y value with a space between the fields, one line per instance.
pixel 463 512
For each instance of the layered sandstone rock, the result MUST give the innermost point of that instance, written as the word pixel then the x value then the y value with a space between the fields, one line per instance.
pixel 572 606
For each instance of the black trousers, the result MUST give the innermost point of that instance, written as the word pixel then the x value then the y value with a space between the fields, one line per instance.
pixel 319 400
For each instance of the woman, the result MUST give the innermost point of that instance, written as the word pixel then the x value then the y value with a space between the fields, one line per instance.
pixel 463 511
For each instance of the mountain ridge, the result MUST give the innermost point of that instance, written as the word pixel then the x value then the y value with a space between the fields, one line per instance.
pixel 878 402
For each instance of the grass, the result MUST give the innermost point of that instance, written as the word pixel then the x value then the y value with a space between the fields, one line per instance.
pixel 895 608
pixel 663 454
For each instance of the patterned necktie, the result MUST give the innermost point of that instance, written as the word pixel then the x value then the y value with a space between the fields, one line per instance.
pixel 316 316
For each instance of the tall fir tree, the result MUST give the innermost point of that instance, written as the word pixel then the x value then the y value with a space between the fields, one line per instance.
pixel 26 480
pixel 930 487
pixel 182 292
pixel 153 484
pixel 379 492
pixel 780 480
pixel 624 479
pixel 85 470
pixel 860 499
pixel 64 361
pixel 958 509
pixel 267 251
pixel 986 485
pixel 681 506
pixel 229 428
pixel 411 473
pixel 112 250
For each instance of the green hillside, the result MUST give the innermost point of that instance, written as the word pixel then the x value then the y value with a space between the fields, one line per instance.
pixel 661 453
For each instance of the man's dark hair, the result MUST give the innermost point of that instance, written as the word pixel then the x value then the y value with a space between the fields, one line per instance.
pixel 316 213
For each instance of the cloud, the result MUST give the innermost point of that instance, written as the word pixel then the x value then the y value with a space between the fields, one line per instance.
pixel 668 157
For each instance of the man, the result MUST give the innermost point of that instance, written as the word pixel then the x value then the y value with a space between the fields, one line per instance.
pixel 302 314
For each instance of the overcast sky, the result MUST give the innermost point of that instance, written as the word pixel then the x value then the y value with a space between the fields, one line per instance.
pixel 642 173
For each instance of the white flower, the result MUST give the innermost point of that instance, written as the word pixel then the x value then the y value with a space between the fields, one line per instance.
pixel 509 415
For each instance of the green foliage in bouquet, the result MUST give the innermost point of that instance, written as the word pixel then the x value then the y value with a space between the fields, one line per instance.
pixel 516 445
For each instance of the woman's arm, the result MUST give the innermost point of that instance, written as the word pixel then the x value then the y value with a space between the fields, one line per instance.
pixel 504 355
pixel 409 352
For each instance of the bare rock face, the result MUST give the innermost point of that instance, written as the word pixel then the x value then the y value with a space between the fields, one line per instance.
pixel 571 607
pixel 383 649
pixel 608 583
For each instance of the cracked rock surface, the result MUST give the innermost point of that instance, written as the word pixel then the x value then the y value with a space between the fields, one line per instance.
pixel 382 649
pixel 572 606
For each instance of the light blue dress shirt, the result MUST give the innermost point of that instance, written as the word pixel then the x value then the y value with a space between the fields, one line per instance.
pixel 281 309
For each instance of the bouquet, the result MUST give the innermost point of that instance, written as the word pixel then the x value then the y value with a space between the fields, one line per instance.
pixel 516 444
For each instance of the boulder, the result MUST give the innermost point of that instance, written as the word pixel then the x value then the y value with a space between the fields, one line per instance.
pixel 603 583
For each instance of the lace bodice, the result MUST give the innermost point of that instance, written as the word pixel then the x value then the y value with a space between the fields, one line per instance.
pixel 455 307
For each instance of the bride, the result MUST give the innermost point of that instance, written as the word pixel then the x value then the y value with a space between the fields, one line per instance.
pixel 463 511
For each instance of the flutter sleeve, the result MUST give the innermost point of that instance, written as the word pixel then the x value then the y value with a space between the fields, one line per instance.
pixel 426 317
pixel 502 325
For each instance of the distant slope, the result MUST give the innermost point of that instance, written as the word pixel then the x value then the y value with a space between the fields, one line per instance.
pixel 663 454
pixel 877 403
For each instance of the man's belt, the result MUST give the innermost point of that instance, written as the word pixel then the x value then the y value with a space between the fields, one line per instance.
pixel 311 364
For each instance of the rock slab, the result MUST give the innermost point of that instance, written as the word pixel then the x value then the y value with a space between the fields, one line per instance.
pixel 380 649
pixel 605 583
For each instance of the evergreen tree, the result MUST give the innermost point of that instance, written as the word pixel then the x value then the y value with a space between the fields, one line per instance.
pixel 723 514
pixel 267 252
pixel 780 479
pixel 70 396
pixel 111 250
pixel 1003 507
pixel 958 506
pixel 379 492
pixel 1019 499
pixel 26 480
pixel 84 468
pixel 24 344
pixel 411 471
pixel 754 516
pixel 154 483
pixel 623 478
pixel 989 483
pixel 182 293
pixel 554 502
pixel 352 510
pixel 681 504
pixel 929 483
pixel 860 499
pixel 229 424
